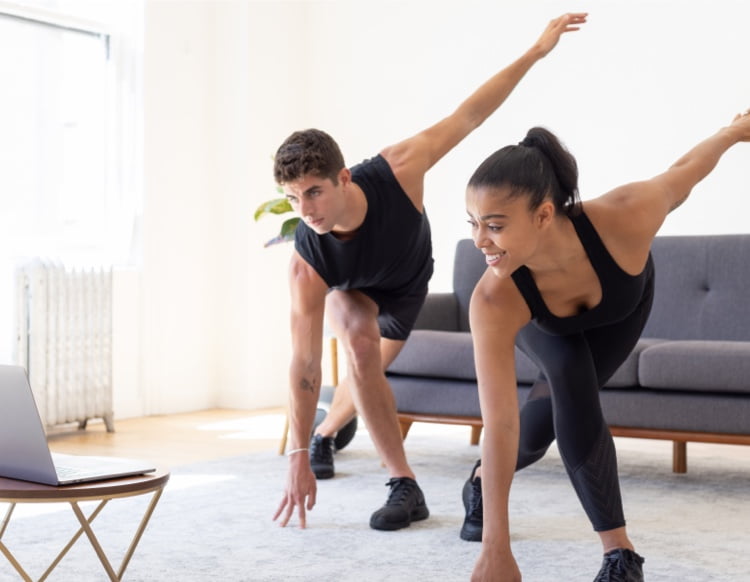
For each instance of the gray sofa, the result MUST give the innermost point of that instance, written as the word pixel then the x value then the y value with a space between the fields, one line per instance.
pixel 687 380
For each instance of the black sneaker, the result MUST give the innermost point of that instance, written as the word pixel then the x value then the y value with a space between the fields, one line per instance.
pixel 471 530
pixel 321 456
pixel 621 566
pixel 405 504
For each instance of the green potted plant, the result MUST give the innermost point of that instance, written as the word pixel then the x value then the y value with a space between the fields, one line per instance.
pixel 279 206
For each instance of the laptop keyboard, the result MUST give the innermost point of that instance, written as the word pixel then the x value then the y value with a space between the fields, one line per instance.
pixel 65 472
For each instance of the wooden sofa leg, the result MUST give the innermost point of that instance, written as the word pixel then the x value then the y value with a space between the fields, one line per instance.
pixel 679 456
pixel 476 432
pixel 405 425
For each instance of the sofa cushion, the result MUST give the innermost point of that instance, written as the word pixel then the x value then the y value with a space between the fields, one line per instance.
pixel 626 376
pixel 436 354
pixel 696 365
pixel 444 354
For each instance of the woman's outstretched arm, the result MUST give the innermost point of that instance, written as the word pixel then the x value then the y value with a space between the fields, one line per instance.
pixel 629 217
pixel 497 312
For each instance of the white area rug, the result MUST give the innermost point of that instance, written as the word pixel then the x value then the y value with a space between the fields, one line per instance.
pixel 214 521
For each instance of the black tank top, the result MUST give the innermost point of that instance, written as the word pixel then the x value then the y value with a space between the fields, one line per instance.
pixel 392 249
pixel 621 292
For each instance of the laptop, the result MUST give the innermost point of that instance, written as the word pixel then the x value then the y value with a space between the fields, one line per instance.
pixel 24 453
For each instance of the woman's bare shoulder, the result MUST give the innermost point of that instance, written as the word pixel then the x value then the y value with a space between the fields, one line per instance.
pixel 498 304
pixel 620 226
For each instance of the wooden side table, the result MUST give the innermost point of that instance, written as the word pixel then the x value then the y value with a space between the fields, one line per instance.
pixel 15 492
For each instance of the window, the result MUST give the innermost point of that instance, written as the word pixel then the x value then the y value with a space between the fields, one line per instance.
pixel 69 140
pixel 54 143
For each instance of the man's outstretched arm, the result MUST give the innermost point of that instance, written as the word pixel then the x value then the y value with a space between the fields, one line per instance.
pixel 308 293
pixel 411 158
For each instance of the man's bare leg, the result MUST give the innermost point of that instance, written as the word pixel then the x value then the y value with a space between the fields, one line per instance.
pixel 340 413
pixel 342 409
pixel 353 317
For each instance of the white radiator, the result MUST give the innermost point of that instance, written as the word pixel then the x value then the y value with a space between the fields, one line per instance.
pixel 64 322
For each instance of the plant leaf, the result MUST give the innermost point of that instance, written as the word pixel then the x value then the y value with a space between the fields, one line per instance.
pixel 275 206
pixel 289 226
pixel 286 234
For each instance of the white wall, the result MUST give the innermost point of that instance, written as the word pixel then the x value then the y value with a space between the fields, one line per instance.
pixel 629 93
pixel 181 211
pixel 213 301
pixel 255 61
pixel 227 81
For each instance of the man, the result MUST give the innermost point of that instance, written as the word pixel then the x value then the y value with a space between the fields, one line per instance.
pixel 363 256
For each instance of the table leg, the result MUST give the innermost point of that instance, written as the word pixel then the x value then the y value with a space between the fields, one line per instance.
pixel 139 532
pixel 73 540
pixel 4 549
pixel 6 519
pixel 14 563
pixel 86 526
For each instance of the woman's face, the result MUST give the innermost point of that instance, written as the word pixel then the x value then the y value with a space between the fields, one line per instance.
pixel 504 228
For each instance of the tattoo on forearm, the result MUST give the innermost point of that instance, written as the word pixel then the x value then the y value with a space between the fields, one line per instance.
pixel 307 385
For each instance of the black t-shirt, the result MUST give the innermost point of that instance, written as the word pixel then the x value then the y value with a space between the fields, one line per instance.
pixel 390 255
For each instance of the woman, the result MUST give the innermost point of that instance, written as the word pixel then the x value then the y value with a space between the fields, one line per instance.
pixel 571 284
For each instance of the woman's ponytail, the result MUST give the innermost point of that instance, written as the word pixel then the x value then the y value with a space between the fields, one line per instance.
pixel 539 167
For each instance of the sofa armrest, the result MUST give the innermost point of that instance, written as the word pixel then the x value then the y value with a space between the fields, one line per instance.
pixel 439 312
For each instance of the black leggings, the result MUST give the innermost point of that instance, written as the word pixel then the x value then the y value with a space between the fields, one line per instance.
pixel 564 404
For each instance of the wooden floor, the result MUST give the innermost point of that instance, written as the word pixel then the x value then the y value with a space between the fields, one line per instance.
pixel 176 439
pixel 179 439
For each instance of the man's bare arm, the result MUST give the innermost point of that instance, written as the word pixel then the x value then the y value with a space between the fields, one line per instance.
pixel 308 293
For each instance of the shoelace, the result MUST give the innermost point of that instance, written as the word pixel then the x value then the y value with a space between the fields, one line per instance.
pixel 610 573
pixel 319 452
pixel 475 503
pixel 615 569
pixel 401 489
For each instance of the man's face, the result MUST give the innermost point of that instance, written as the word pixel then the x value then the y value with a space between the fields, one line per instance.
pixel 317 201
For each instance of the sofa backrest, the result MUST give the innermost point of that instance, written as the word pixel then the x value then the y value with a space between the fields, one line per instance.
pixel 468 266
pixel 702 286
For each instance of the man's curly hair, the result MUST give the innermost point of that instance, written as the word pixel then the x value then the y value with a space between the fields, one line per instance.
pixel 310 151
